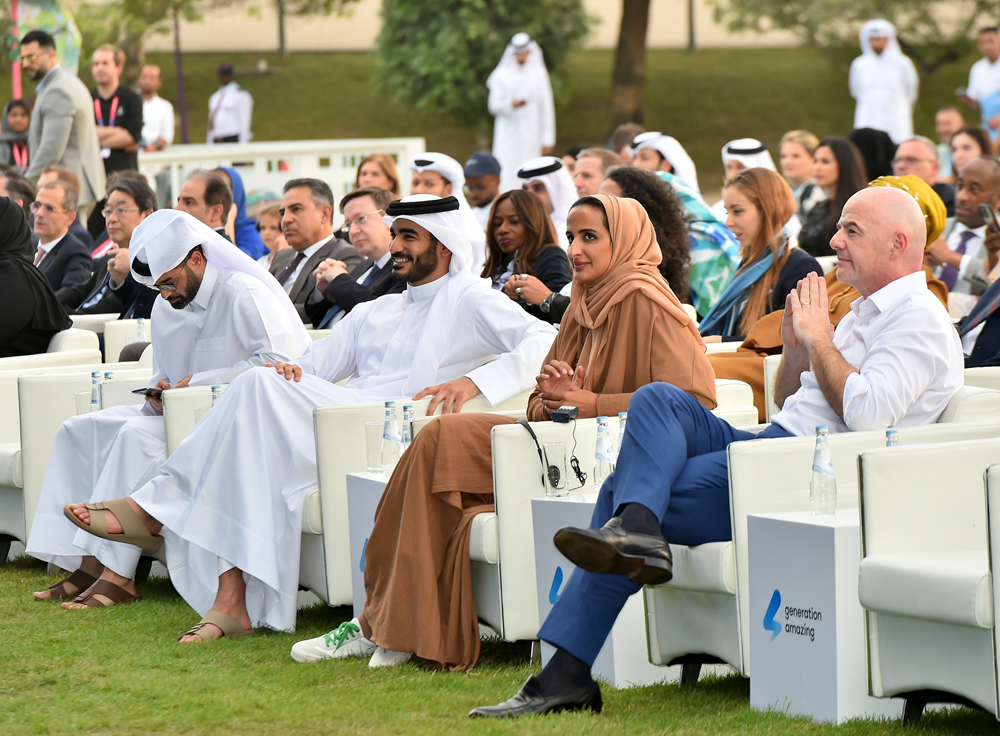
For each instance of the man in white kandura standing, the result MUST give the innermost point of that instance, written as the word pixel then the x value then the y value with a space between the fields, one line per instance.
pixel 884 82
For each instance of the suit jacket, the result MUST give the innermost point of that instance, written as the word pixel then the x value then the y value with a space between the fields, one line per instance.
pixel 987 348
pixel 306 281
pixel 63 132
pixel 67 265
pixel 347 293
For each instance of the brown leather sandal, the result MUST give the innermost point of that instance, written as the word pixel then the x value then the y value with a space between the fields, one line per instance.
pixel 231 628
pixel 134 531
pixel 80 580
pixel 115 593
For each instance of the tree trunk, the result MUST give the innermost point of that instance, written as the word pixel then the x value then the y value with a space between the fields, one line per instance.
pixel 628 83
pixel 282 41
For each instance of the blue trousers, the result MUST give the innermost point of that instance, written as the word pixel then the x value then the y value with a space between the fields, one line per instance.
pixel 672 461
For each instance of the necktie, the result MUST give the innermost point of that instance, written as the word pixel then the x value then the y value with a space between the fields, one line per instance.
pixel 39 255
pixel 97 295
pixel 950 274
pixel 986 305
pixel 290 269
pixel 335 309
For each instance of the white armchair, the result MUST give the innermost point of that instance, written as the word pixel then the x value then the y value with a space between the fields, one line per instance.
pixel 925 579
pixel 702 615
pixel 92 322
pixel 73 339
pixel 122 332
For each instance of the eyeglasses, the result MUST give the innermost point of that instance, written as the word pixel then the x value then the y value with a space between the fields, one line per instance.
pixel 49 209
pixel 30 58
pixel 360 221
pixel 165 287
pixel 118 212
pixel 909 160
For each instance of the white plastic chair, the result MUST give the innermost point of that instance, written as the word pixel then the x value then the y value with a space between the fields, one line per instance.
pixel 122 332
pixel 93 322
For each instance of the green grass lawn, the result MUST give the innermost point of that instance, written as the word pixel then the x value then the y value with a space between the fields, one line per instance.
pixel 119 671
pixel 704 99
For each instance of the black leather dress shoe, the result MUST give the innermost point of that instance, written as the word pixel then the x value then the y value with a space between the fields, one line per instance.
pixel 530 700
pixel 644 558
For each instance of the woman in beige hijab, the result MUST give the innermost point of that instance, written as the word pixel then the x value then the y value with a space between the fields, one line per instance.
pixel 624 329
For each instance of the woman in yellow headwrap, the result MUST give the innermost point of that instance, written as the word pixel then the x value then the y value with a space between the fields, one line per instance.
pixel 764 337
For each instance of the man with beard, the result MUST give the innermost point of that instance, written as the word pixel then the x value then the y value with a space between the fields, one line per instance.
pixel 221 313
pixel 229 500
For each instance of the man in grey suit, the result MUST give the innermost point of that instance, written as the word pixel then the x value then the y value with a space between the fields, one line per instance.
pixel 62 129
pixel 307 223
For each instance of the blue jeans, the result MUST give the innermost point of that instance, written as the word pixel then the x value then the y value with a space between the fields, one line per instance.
pixel 672 461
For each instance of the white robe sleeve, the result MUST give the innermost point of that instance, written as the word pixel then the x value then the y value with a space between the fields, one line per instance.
pixel 911 80
pixel 854 78
pixel 548 114
pixel 501 99
pixel 334 357
pixel 502 327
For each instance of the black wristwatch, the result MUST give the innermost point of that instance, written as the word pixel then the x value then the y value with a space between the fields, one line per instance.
pixel 546 305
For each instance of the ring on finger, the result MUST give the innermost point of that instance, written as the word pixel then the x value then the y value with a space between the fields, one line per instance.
pixel 524 277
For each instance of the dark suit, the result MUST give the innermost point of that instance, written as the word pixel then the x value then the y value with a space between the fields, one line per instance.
pixel 130 300
pixel 305 283
pixel 68 264
pixel 987 348
pixel 345 291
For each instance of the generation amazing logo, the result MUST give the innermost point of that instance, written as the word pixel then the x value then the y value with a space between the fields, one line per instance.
pixel 791 614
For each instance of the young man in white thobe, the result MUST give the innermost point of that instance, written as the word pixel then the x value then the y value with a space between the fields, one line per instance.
pixel 549 180
pixel 520 101
pixel 884 82
pixel 221 313
pixel 443 176
pixel 229 501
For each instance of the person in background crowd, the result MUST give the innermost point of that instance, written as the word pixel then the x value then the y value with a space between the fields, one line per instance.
pixel 269 226
pixel 947 122
pixel 14 134
pixel 838 168
pixel 31 312
pixel 67 177
pixel 655 151
pixel 524 114
pixel 622 138
pixel 522 243
pixel 918 156
pixel 968 143
pixel 983 92
pixel 877 150
pixel 230 110
pixel 739 155
pixel 247 238
pixel 797 149
pixel 63 259
pixel 759 203
pixel 569 158
pixel 157 126
pixel 667 215
pixel 378 170
pixel 591 165
pixel 549 180
pixel 21 191
pixel 62 130
pixel 482 183
pixel 338 290
pixel 207 196
pixel 884 82
pixel 117 111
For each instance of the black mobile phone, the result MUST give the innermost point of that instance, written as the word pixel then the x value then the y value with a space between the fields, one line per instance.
pixel 564 414
pixel 149 393
pixel 989 217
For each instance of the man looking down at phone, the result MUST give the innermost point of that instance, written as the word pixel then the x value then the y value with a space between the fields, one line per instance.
pixel 964 256
pixel 220 313
pixel 229 500
pixel 895 361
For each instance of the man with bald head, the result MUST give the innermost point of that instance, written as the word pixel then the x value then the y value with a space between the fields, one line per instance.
pixel 894 361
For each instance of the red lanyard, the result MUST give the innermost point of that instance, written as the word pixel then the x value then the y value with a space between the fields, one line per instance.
pixel 20 151
pixel 100 117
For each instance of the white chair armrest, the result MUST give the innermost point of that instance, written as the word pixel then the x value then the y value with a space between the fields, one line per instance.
pixel 92 322
pixel 722 347
pixel 73 339
pixel 183 408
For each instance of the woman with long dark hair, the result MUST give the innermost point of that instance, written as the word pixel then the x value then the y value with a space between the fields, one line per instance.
pixel 521 242
pixel 840 170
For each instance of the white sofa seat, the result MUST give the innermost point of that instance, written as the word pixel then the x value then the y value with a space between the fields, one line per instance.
pixel 949 587
pixel 73 339
pixel 484 539
pixel 707 568
pixel 10 465
pixel 312 512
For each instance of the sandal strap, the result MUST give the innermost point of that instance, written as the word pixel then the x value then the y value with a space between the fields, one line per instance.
pixel 131 524
pixel 199 630
pixel 114 593
pixel 229 627
pixel 79 579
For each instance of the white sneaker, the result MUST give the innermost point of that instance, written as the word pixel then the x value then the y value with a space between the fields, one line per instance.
pixel 344 641
pixel 386 658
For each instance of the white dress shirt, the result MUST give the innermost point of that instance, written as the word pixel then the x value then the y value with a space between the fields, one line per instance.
pixel 157 120
pixel 308 253
pixel 46 248
pixel 909 362
pixel 230 112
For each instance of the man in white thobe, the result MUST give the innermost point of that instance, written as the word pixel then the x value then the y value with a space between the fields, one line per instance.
pixel 443 176
pixel 230 498
pixel 221 313
pixel 548 178
pixel 524 114
pixel 884 82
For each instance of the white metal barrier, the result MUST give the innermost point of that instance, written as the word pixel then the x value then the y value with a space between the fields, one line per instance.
pixel 268 165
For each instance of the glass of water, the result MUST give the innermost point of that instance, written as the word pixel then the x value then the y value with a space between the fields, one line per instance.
pixel 373 446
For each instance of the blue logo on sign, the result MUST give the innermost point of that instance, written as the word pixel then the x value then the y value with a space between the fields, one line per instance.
pixel 557 581
pixel 772 608
pixel 365 547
